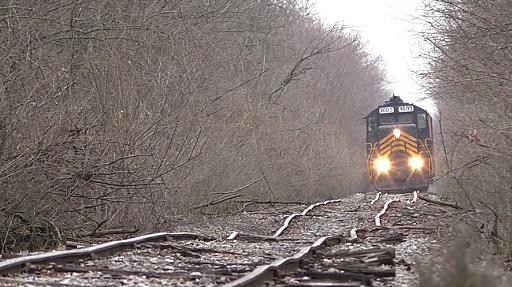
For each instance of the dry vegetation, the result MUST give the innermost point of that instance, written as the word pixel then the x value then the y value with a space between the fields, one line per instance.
pixel 122 113
pixel 457 270
pixel 470 78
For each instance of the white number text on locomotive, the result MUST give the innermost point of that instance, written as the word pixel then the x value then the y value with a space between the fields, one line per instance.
pixel 386 110
pixel 405 109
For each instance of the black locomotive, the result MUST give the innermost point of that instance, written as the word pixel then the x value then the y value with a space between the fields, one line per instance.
pixel 400 147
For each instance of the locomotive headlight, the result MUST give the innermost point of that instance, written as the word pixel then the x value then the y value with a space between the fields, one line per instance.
pixel 396 132
pixel 416 162
pixel 382 165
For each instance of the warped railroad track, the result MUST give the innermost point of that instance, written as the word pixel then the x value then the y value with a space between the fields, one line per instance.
pixel 355 241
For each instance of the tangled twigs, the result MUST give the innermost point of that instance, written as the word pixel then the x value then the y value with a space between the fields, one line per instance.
pixel 228 195
pixel 25 232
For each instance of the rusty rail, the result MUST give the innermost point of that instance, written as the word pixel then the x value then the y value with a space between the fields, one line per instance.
pixel 16 264
pixel 377 196
pixel 267 272
pixel 386 206
pixel 303 213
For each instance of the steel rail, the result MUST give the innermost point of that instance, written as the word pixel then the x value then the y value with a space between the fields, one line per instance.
pixel 353 233
pixel 377 196
pixel 303 213
pixel 16 264
pixel 414 197
pixel 377 217
pixel 267 272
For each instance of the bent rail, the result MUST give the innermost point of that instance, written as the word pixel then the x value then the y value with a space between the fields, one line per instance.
pixel 14 264
pixel 267 272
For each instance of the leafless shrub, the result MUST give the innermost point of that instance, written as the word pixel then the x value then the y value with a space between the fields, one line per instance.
pixel 469 78
pixel 455 270
pixel 124 113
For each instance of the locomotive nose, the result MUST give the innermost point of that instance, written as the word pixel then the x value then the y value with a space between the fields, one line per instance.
pixel 400 163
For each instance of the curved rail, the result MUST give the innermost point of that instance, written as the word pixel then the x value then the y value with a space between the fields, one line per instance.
pixel 15 264
pixel 376 197
pixel 266 272
pixel 386 206
pixel 414 197
pixel 303 213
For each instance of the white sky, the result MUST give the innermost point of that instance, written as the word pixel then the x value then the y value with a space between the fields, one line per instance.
pixel 388 27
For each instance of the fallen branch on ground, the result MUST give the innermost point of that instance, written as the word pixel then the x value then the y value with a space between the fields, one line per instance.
pixel 438 202
pixel 217 201
pixel 108 232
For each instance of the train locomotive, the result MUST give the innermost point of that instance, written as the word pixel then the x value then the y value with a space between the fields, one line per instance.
pixel 400 147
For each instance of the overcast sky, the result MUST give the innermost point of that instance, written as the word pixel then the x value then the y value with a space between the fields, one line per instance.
pixel 388 27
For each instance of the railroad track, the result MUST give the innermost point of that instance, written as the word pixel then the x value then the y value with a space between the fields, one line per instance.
pixel 356 241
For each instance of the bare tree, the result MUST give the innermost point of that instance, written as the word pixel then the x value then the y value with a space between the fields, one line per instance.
pixel 116 112
pixel 469 78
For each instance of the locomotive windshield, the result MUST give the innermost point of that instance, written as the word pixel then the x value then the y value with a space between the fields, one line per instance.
pixel 387 119
pixel 406 118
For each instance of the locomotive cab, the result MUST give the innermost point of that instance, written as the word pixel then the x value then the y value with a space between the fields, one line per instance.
pixel 399 147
